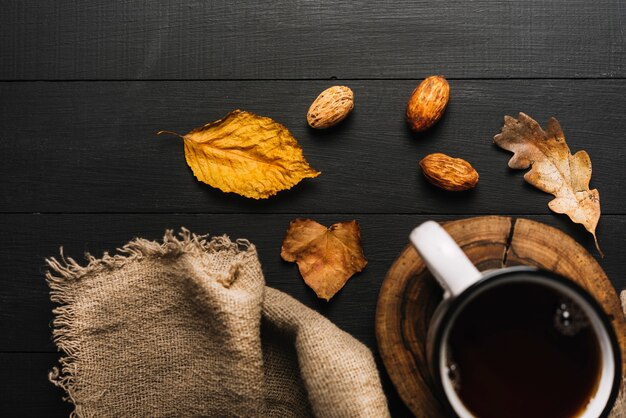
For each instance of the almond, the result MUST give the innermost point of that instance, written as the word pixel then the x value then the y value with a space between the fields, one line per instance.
pixel 331 107
pixel 427 103
pixel 452 174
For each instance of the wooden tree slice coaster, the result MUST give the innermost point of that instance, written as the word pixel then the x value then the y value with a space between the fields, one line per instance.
pixel 409 294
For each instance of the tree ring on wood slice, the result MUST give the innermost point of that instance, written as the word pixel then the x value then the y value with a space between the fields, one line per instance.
pixel 409 294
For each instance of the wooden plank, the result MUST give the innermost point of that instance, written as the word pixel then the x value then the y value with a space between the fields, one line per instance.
pixel 25 311
pixel 267 40
pixel 91 146
pixel 26 392
pixel 24 387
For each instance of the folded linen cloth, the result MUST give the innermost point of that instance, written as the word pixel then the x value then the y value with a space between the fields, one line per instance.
pixel 187 328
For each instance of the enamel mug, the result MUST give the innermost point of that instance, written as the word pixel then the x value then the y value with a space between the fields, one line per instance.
pixel 462 283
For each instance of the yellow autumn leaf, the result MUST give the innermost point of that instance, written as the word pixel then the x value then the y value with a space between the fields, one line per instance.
pixel 553 169
pixel 247 154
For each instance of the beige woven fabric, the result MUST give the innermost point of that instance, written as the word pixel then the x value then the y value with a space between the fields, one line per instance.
pixel 619 410
pixel 187 328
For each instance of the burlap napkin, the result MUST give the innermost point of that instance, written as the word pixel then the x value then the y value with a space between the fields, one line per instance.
pixel 187 328
pixel 619 410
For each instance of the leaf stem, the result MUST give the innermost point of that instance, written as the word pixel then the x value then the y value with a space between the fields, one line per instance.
pixel 171 133
pixel 598 246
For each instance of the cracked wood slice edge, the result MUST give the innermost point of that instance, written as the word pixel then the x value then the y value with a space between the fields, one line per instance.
pixel 409 294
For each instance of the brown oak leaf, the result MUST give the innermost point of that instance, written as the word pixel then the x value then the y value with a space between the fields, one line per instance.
pixel 554 169
pixel 326 257
pixel 247 154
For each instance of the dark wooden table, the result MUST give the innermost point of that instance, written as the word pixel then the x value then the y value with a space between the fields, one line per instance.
pixel 85 86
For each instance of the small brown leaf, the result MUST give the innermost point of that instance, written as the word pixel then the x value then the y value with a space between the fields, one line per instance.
pixel 247 154
pixel 554 169
pixel 326 257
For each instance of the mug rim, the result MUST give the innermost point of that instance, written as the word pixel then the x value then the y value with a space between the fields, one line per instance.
pixel 454 303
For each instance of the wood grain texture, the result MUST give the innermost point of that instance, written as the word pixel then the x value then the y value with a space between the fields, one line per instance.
pixel 135 39
pixel 91 146
pixel 409 294
pixel 25 390
pixel 25 310
pixel 84 154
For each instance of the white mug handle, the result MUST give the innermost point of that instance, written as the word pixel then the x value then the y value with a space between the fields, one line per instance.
pixel 444 258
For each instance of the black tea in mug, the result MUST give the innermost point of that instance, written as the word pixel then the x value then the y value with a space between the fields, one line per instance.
pixel 522 349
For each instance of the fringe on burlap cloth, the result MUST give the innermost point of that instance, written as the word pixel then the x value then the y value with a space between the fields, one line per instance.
pixel 187 328
pixel 619 410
